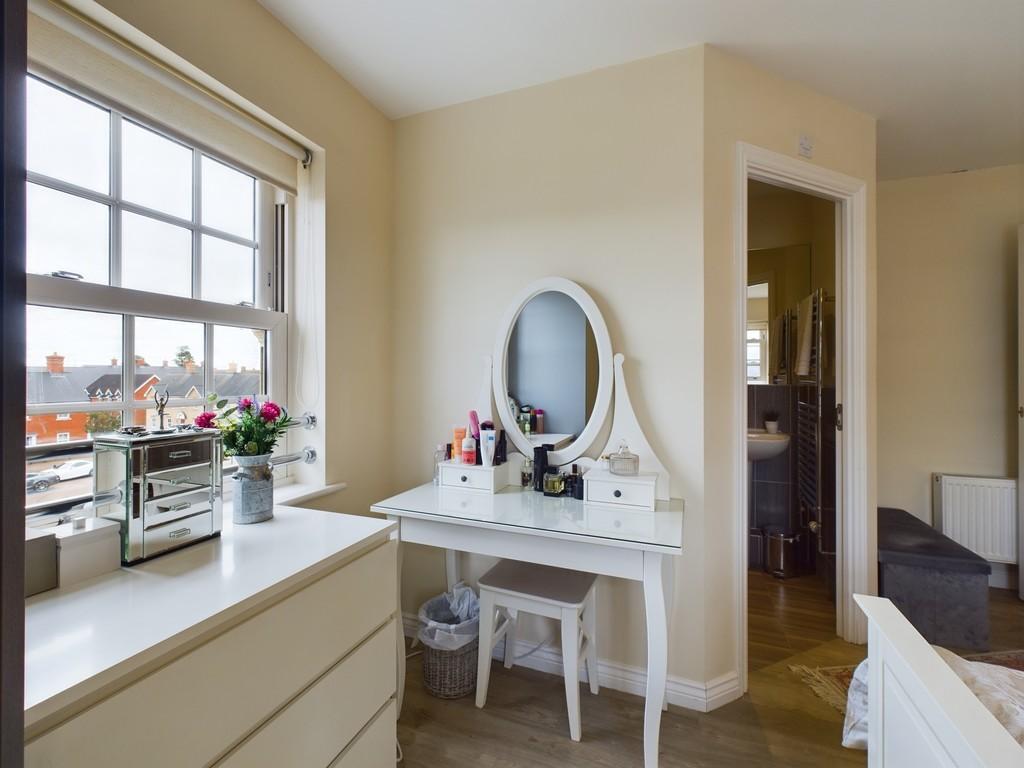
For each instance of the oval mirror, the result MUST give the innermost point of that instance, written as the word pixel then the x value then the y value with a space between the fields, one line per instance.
pixel 553 370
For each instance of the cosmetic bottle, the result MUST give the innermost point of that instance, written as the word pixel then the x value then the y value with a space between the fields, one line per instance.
pixel 538 420
pixel 439 457
pixel 540 467
pixel 468 449
pixel 526 473
pixel 458 435
pixel 501 450
pixel 577 489
pixel 488 443
pixel 554 482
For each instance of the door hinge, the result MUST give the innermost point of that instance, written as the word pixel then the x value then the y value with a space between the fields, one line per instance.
pixel 1020 411
pixel 839 416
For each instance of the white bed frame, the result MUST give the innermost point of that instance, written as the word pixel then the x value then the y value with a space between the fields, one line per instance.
pixel 919 712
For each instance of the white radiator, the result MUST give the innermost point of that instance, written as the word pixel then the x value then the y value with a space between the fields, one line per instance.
pixel 978 512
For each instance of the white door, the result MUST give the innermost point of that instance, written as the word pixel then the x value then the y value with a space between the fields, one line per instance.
pixel 1020 411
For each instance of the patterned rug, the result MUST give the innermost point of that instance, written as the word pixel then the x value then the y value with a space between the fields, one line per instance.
pixel 830 684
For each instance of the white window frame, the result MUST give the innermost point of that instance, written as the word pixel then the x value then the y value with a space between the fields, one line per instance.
pixel 761 327
pixel 63 437
pixel 64 416
pixel 267 314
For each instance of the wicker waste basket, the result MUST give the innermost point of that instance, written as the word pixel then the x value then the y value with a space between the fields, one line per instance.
pixel 450 633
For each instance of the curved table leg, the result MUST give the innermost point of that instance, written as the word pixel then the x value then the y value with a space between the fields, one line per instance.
pixel 657 653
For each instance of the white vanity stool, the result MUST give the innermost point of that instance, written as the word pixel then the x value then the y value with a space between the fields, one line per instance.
pixel 557 593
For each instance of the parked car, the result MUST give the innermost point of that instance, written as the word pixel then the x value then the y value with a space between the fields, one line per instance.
pixel 69 470
pixel 40 481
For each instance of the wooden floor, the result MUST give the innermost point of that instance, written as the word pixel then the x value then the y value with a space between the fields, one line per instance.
pixel 780 722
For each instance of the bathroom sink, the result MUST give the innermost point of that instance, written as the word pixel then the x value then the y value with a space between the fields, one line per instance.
pixel 762 445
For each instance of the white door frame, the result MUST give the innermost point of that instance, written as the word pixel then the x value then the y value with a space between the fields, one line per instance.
pixel 1020 413
pixel 853 560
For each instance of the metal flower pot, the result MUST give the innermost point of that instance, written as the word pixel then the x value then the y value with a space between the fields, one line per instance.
pixel 254 490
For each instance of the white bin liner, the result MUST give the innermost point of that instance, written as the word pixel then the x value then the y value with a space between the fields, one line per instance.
pixel 450 620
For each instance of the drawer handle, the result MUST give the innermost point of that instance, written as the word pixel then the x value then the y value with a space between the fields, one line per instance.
pixel 617 494
pixel 179 454
pixel 179 533
pixel 177 507
pixel 464 478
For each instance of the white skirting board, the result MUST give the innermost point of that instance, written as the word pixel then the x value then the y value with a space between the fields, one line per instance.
pixel 690 694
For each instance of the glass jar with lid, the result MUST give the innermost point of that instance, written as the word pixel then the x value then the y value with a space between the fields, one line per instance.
pixel 622 462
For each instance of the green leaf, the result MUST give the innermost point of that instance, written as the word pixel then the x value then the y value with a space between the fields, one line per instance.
pixel 221 403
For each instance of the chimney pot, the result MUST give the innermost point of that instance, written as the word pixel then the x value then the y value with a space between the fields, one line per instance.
pixel 113 361
pixel 55 363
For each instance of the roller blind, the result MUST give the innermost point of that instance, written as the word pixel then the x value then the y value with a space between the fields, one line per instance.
pixel 66 48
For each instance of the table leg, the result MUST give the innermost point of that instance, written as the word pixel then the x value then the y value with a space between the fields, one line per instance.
pixel 451 568
pixel 400 683
pixel 657 653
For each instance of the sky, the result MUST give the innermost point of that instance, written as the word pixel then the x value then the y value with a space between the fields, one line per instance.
pixel 69 139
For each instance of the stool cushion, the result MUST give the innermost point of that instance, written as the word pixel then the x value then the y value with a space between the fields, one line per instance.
pixel 556 585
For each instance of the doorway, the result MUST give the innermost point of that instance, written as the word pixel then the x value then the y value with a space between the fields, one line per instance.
pixel 846 547
pixel 791 358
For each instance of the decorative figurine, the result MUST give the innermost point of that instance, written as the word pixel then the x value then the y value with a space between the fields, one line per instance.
pixel 161 404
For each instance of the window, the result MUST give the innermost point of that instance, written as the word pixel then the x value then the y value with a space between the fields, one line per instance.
pixel 146 276
pixel 757 353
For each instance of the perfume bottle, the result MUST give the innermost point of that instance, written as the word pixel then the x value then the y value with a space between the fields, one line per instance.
pixel 554 482
pixel 526 473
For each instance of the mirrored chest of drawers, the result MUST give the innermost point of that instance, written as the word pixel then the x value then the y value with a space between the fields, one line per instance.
pixel 165 490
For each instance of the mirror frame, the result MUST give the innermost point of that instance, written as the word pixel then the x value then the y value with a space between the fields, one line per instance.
pixel 499 377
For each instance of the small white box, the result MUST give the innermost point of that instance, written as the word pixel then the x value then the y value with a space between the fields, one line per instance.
pixel 474 477
pixel 88 551
pixel 638 491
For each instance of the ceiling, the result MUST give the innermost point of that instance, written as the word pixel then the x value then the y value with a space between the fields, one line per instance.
pixel 944 77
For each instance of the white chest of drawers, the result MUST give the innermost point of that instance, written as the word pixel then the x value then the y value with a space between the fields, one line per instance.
pixel 300 672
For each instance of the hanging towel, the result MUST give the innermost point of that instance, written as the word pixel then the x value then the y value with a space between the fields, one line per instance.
pixel 805 336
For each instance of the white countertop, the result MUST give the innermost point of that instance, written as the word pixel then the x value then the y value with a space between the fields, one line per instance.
pixel 89 635
pixel 559 517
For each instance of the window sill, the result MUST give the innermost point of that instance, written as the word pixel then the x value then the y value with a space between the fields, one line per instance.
pixel 292 493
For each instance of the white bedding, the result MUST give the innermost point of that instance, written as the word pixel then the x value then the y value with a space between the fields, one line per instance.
pixel 999 689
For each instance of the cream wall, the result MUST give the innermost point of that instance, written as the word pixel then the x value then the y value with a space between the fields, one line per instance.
pixel 620 179
pixel 745 104
pixel 596 178
pixel 947 360
pixel 244 47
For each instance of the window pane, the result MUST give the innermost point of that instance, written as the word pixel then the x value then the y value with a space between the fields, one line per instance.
pixel 155 171
pixel 227 271
pixel 73 356
pixel 229 199
pixel 239 362
pixel 69 233
pixel 67 138
pixel 61 473
pixel 155 256
pixel 168 357
pixel 173 416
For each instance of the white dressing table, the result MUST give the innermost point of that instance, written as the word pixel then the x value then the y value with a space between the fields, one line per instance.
pixel 524 525
pixel 542 338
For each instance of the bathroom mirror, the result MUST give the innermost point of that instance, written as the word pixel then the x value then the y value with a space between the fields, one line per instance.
pixel 553 354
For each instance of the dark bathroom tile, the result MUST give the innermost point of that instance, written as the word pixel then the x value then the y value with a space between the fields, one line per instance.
pixel 775 470
pixel 772 502
pixel 752 405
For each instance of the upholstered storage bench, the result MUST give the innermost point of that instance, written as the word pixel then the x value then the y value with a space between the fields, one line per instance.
pixel 939 585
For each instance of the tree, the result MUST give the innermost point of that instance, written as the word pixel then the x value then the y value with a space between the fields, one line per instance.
pixel 184 357
pixel 102 421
